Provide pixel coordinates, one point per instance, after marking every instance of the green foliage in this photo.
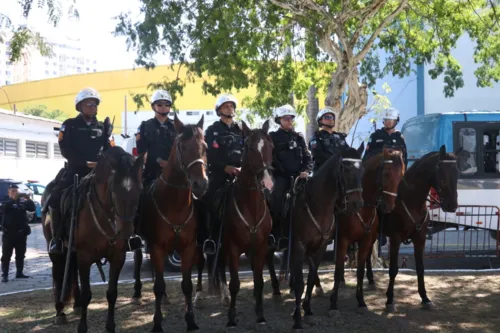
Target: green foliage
(41, 111)
(285, 46)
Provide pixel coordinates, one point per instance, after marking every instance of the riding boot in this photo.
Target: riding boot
(209, 246)
(20, 268)
(5, 272)
(56, 243)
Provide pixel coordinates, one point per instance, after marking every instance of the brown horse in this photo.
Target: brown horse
(338, 181)
(380, 181)
(169, 218)
(247, 220)
(107, 204)
(409, 219)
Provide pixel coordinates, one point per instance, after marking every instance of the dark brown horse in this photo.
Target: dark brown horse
(109, 197)
(380, 181)
(169, 218)
(247, 220)
(337, 182)
(409, 219)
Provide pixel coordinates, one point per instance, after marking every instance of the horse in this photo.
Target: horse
(380, 181)
(106, 206)
(410, 217)
(247, 220)
(169, 218)
(338, 181)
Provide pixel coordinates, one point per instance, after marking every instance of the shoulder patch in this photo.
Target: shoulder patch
(313, 143)
(370, 140)
(63, 128)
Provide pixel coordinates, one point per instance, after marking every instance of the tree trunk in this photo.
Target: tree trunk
(312, 112)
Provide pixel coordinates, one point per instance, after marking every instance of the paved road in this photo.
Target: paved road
(38, 266)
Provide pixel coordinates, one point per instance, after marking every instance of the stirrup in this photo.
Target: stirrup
(271, 240)
(135, 243)
(282, 243)
(209, 247)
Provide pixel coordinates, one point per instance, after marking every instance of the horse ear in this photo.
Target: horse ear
(178, 123)
(139, 163)
(246, 130)
(361, 148)
(200, 123)
(442, 152)
(265, 127)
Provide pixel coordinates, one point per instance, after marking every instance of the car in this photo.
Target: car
(23, 189)
(37, 190)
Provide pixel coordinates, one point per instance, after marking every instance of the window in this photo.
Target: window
(7, 82)
(46, 72)
(467, 140)
(8, 147)
(78, 69)
(491, 147)
(57, 151)
(37, 149)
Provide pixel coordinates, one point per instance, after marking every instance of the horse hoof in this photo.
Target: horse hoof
(231, 329)
(309, 320)
(136, 300)
(297, 330)
(334, 314)
(390, 308)
(319, 292)
(362, 310)
(61, 320)
(197, 300)
(427, 306)
(77, 311)
(195, 328)
(371, 286)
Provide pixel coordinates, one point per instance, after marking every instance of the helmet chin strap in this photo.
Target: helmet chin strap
(163, 114)
(226, 116)
(329, 126)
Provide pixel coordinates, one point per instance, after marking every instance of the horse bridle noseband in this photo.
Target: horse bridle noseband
(343, 192)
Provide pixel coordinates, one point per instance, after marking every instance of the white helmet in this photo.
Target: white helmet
(324, 111)
(161, 95)
(284, 110)
(85, 94)
(390, 114)
(224, 98)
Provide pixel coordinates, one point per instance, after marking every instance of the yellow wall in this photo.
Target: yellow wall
(59, 93)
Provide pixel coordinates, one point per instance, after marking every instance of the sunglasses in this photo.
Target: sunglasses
(287, 118)
(91, 105)
(329, 117)
(161, 105)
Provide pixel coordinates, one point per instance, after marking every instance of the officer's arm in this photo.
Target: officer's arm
(318, 153)
(276, 163)
(30, 205)
(370, 147)
(212, 152)
(307, 162)
(64, 138)
(403, 147)
(141, 141)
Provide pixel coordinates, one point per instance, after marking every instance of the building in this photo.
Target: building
(28, 147)
(68, 57)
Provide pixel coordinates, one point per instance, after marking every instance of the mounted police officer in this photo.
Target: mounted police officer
(15, 229)
(81, 139)
(387, 136)
(326, 141)
(291, 159)
(225, 146)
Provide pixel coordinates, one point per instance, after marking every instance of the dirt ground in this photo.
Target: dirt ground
(463, 303)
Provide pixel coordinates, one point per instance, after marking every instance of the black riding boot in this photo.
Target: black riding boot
(5, 272)
(209, 246)
(56, 243)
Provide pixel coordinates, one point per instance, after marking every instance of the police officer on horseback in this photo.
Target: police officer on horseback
(225, 146)
(326, 141)
(81, 139)
(291, 159)
(387, 136)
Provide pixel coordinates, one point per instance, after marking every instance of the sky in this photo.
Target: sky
(95, 29)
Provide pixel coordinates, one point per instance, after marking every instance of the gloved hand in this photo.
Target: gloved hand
(108, 127)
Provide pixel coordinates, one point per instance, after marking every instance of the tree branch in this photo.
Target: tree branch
(366, 13)
(329, 46)
(379, 29)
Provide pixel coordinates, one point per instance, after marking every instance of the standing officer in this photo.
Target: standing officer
(291, 159)
(325, 141)
(387, 136)
(225, 145)
(81, 139)
(15, 229)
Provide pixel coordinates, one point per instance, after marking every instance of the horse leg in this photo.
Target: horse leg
(84, 270)
(339, 273)
(221, 275)
(393, 272)
(115, 267)
(319, 289)
(234, 284)
(158, 262)
(137, 297)
(298, 282)
(369, 268)
(312, 278)
(188, 257)
(363, 251)
(57, 277)
(272, 271)
(418, 248)
(258, 282)
(77, 305)
(200, 265)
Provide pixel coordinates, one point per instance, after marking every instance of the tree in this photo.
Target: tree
(41, 111)
(286, 46)
(23, 36)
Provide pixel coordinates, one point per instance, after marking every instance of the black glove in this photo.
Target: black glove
(108, 127)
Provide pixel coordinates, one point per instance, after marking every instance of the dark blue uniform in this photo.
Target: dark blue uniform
(381, 138)
(157, 139)
(323, 145)
(15, 229)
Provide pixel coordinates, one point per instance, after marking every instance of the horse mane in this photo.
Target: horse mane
(425, 159)
(189, 131)
(393, 155)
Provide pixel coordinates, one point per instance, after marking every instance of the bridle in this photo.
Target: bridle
(343, 191)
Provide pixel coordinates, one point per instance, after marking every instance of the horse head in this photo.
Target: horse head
(445, 178)
(391, 172)
(258, 153)
(119, 175)
(351, 170)
(189, 155)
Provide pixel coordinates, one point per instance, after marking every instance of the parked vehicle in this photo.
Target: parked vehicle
(37, 190)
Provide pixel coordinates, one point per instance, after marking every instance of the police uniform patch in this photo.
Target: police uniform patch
(215, 144)
(137, 136)
(314, 143)
(60, 136)
(63, 127)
